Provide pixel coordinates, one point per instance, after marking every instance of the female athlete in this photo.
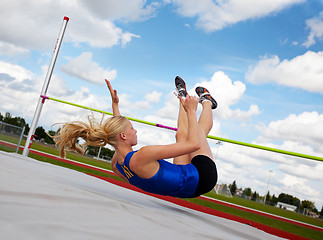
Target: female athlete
(193, 171)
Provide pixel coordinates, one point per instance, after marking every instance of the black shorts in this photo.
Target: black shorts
(208, 175)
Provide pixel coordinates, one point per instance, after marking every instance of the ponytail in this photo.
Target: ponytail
(93, 133)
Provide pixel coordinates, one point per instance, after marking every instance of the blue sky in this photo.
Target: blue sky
(262, 61)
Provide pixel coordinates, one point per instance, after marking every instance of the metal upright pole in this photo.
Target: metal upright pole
(44, 89)
(270, 172)
(20, 138)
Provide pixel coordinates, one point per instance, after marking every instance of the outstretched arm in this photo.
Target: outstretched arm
(114, 98)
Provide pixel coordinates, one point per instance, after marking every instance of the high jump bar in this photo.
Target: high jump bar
(209, 136)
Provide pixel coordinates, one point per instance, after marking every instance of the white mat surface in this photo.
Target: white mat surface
(43, 201)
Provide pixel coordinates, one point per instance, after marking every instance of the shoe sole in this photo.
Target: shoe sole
(180, 85)
(206, 94)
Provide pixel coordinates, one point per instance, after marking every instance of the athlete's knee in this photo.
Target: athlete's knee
(204, 131)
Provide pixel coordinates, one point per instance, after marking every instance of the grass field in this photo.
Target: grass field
(298, 230)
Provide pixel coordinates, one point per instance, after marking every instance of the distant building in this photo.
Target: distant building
(239, 193)
(308, 212)
(286, 206)
(218, 188)
(222, 189)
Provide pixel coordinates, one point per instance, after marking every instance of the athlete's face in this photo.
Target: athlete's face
(131, 134)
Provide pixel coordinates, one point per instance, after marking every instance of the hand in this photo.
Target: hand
(190, 103)
(113, 92)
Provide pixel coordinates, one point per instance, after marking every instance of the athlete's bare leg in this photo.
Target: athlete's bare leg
(181, 135)
(205, 124)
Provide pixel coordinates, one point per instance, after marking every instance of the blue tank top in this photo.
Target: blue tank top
(170, 180)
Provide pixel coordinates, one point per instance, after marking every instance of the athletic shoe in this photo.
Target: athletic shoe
(180, 87)
(204, 94)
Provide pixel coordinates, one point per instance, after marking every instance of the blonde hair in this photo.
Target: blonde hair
(93, 133)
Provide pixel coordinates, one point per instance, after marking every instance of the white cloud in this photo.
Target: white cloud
(228, 93)
(304, 71)
(299, 171)
(239, 156)
(60, 113)
(304, 128)
(315, 25)
(140, 105)
(126, 37)
(149, 135)
(83, 67)
(215, 15)
(170, 108)
(17, 87)
(16, 72)
(135, 10)
(297, 186)
(37, 26)
(250, 166)
(153, 97)
(245, 115)
(20, 91)
(11, 50)
(57, 87)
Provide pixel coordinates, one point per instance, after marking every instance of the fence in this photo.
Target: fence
(11, 133)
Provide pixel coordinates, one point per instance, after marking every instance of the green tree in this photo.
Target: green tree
(296, 202)
(247, 192)
(51, 133)
(233, 188)
(41, 134)
(105, 153)
(308, 205)
(17, 121)
(289, 199)
(268, 197)
(321, 213)
(92, 150)
(274, 200)
(27, 128)
(7, 118)
(254, 196)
